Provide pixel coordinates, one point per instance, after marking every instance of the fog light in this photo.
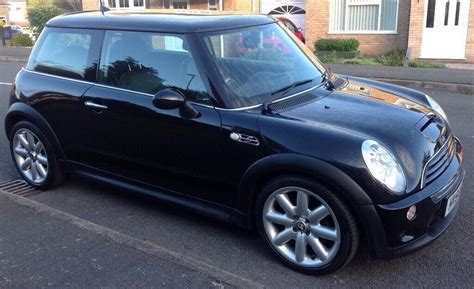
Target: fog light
(411, 213)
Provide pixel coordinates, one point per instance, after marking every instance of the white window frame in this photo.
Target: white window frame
(368, 3)
(131, 5)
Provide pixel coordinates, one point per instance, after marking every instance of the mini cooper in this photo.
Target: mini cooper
(233, 117)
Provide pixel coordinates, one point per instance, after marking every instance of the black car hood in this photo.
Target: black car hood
(406, 126)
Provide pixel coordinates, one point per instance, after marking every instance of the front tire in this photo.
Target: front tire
(33, 156)
(307, 226)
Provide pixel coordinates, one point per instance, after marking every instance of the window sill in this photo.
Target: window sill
(365, 32)
(128, 8)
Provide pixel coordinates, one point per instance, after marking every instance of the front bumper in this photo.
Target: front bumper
(389, 231)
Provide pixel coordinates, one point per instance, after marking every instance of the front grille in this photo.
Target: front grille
(450, 187)
(439, 162)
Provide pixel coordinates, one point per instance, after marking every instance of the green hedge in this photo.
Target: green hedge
(343, 44)
(392, 58)
(39, 15)
(21, 40)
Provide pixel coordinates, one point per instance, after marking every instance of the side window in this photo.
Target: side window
(149, 62)
(72, 53)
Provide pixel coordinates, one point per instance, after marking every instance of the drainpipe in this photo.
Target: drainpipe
(221, 5)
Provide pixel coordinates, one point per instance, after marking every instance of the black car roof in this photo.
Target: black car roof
(172, 23)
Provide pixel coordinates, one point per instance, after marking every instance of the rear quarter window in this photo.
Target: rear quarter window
(71, 53)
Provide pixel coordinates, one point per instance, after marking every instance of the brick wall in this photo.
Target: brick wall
(4, 9)
(198, 4)
(242, 6)
(317, 26)
(417, 20)
(470, 35)
(90, 5)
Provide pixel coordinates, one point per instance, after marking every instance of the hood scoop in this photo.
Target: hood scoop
(431, 126)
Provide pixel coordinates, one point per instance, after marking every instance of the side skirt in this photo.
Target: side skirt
(199, 206)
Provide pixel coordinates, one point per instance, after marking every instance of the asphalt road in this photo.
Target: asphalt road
(449, 262)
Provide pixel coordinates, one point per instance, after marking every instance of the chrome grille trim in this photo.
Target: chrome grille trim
(441, 158)
(450, 187)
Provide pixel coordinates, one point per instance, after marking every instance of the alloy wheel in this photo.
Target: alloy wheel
(30, 156)
(301, 227)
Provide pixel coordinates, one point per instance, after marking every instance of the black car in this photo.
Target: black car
(229, 116)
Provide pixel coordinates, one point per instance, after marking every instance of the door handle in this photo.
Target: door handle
(95, 105)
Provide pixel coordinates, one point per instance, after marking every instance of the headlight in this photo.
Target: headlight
(383, 166)
(436, 107)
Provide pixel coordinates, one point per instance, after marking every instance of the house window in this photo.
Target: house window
(430, 14)
(173, 4)
(125, 4)
(212, 4)
(363, 16)
(180, 5)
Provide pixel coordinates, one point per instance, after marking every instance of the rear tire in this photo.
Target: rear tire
(33, 156)
(306, 225)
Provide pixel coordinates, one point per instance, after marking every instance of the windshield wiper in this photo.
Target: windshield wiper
(327, 78)
(266, 104)
(293, 85)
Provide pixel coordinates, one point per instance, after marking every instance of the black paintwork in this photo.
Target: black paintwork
(192, 161)
(171, 23)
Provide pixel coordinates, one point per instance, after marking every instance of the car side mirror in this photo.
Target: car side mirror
(299, 29)
(169, 99)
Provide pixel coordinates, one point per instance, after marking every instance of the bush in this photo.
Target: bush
(348, 44)
(21, 40)
(325, 45)
(343, 44)
(264, 55)
(393, 58)
(39, 15)
(425, 64)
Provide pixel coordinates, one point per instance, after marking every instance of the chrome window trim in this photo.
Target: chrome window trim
(87, 82)
(151, 95)
(423, 173)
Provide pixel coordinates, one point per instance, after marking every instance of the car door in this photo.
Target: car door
(62, 67)
(133, 138)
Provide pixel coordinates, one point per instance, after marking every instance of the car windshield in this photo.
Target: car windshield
(262, 63)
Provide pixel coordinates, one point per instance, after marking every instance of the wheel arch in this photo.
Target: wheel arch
(298, 165)
(22, 112)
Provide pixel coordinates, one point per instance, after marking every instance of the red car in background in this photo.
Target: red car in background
(292, 27)
(272, 41)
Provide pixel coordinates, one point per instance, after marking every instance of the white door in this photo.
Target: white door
(291, 9)
(445, 29)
